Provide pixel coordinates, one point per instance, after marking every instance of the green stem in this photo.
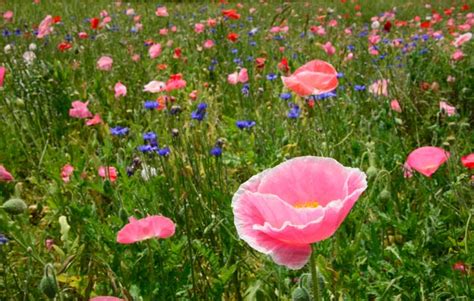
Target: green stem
(315, 277)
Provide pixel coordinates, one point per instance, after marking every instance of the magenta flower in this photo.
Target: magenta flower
(5, 175)
(80, 110)
(426, 160)
(283, 210)
(149, 227)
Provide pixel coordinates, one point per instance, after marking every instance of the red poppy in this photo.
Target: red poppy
(63, 46)
(95, 23)
(232, 37)
(56, 19)
(231, 14)
(387, 26)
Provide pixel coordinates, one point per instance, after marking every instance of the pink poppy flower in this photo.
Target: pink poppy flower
(199, 28)
(426, 160)
(154, 226)
(5, 175)
(449, 110)
(154, 51)
(109, 173)
(175, 82)
(45, 27)
(105, 63)
(66, 172)
(106, 298)
(462, 39)
(2, 75)
(395, 105)
(120, 90)
(314, 77)
(161, 11)
(154, 87)
(458, 55)
(283, 210)
(94, 120)
(236, 77)
(208, 44)
(329, 49)
(8, 15)
(468, 161)
(80, 110)
(380, 87)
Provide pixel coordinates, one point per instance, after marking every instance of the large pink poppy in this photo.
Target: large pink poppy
(426, 160)
(283, 210)
(314, 77)
(149, 227)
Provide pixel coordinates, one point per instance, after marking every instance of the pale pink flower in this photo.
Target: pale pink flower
(105, 63)
(154, 51)
(238, 77)
(462, 39)
(445, 107)
(199, 28)
(458, 55)
(161, 11)
(208, 44)
(109, 173)
(8, 15)
(313, 78)
(154, 226)
(426, 160)
(380, 87)
(120, 90)
(45, 27)
(5, 175)
(283, 210)
(94, 120)
(154, 87)
(329, 48)
(395, 105)
(79, 110)
(66, 172)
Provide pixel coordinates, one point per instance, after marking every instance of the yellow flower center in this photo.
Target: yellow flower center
(310, 204)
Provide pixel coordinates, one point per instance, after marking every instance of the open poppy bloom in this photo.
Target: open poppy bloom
(283, 210)
(313, 78)
(426, 160)
(155, 226)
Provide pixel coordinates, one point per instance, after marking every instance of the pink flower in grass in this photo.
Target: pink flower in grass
(5, 175)
(109, 173)
(283, 210)
(449, 110)
(105, 63)
(45, 27)
(120, 90)
(314, 77)
(80, 110)
(66, 172)
(238, 77)
(426, 160)
(149, 227)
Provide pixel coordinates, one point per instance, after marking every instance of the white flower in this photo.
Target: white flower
(29, 57)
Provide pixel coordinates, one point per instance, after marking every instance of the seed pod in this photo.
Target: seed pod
(14, 206)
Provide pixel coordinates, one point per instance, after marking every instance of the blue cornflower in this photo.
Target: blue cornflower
(245, 124)
(294, 111)
(216, 151)
(165, 151)
(285, 96)
(359, 87)
(3, 239)
(119, 131)
(151, 104)
(200, 112)
(272, 76)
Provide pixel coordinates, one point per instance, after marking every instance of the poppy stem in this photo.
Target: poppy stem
(315, 277)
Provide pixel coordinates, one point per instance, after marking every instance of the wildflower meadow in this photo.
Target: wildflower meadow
(223, 150)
